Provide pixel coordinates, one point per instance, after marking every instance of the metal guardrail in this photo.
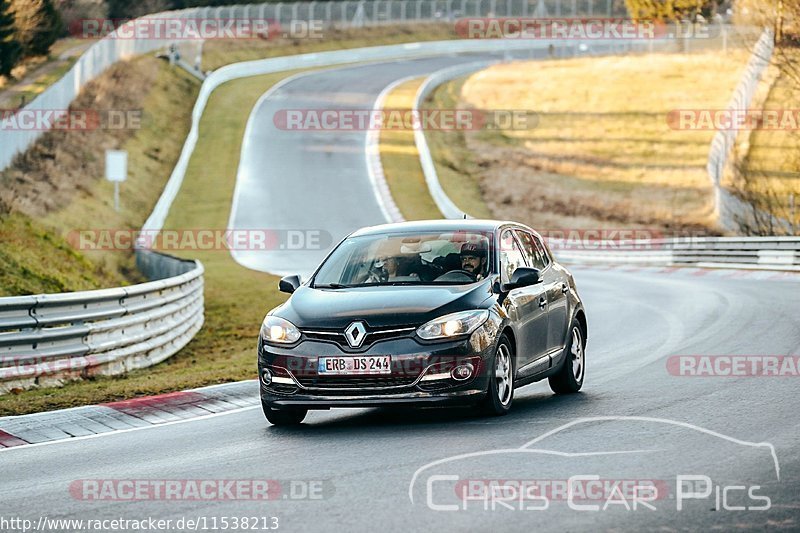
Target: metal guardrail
(48, 339)
(763, 253)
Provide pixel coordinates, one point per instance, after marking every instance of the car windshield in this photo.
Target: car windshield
(407, 259)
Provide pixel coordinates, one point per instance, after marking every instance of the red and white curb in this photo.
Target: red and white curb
(127, 414)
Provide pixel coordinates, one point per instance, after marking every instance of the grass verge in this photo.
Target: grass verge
(457, 166)
(601, 154)
(770, 171)
(57, 187)
(400, 160)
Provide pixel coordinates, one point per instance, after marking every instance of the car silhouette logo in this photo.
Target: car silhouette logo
(355, 334)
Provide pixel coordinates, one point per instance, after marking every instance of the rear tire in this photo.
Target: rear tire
(284, 417)
(569, 378)
(500, 391)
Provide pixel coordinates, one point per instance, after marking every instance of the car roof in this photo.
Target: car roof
(443, 225)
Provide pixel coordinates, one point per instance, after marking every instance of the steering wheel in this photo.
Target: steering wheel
(456, 275)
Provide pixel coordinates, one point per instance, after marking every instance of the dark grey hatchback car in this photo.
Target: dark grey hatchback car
(445, 312)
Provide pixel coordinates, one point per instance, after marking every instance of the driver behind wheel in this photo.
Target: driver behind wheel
(473, 259)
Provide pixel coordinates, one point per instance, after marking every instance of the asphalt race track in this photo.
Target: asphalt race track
(316, 181)
(394, 470)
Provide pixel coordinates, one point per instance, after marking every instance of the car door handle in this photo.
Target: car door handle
(542, 302)
(564, 288)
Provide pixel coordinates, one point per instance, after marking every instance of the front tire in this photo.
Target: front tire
(284, 417)
(569, 378)
(500, 391)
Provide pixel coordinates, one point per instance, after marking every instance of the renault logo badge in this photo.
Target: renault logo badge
(355, 334)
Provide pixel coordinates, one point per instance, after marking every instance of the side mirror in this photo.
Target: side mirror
(522, 277)
(289, 284)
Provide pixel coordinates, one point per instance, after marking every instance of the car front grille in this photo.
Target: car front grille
(355, 382)
(336, 336)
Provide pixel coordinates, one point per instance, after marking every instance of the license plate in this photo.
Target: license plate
(368, 364)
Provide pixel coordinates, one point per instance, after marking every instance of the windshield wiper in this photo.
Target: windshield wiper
(332, 286)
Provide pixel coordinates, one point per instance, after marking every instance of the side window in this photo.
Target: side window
(533, 250)
(511, 257)
(542, 251)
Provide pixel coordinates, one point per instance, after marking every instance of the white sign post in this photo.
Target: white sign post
(116, 171)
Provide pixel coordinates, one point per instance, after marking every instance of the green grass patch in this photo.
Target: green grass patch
(400, 160)
(457, 166)
(35, 254)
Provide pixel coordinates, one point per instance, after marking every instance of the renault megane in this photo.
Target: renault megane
(426, 313)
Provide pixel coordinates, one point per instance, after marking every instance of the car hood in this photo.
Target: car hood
(380, 306)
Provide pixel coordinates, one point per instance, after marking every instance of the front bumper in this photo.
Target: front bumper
(420, 374)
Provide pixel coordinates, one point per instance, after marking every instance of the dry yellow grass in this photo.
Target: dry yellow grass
(771, 167)
(602, 138)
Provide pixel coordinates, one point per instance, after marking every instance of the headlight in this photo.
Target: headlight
(453, 325)
(279, 330)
